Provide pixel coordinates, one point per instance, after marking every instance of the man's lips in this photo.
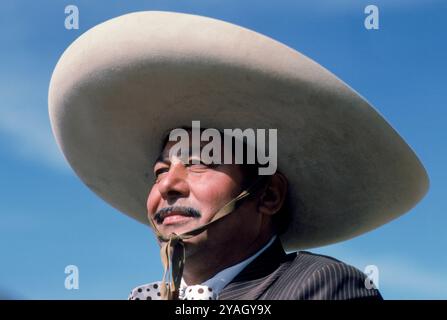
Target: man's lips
(175, 214)
(176, 217)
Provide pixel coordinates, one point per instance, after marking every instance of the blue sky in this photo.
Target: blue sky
(49, 219)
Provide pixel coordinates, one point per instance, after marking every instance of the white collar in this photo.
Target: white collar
(224, 277)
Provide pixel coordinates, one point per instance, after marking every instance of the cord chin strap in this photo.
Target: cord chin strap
(172, 250)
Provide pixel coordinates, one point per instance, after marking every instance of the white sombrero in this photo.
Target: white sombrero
(118, 88)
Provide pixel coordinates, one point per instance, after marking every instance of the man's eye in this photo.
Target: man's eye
(199, 165)
(160, 171)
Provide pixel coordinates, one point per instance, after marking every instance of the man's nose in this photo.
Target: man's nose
(173, 185)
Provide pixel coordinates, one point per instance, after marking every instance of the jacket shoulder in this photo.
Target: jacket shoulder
(311, 276)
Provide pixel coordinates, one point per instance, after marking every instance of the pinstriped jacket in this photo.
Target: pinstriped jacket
(275, 275)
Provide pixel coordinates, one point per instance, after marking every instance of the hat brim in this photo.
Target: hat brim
(118, 88)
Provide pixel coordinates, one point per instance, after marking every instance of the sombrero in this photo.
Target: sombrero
(118, 88)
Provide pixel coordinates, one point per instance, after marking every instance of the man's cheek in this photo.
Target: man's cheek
(152, 201)
(214, 191)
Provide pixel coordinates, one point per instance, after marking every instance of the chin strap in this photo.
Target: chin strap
(172, 250)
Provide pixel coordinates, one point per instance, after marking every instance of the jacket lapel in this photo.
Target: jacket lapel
(257, 276)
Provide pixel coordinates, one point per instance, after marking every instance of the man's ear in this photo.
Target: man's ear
(273, 195)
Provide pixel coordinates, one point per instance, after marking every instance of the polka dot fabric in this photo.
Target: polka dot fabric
(199, 292)
(151, 291)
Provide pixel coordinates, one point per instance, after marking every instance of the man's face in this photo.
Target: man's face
(186, 196)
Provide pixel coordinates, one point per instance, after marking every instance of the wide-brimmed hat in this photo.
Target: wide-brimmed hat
(118, 88)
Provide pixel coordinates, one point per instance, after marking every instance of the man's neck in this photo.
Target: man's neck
(201, 267)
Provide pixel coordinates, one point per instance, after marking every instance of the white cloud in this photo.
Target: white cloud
(417, 281)
(399, 277)
(28, 134)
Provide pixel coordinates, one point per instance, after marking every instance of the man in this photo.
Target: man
(342, 169)
(186, 196)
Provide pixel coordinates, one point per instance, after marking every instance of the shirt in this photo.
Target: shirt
(224, 277)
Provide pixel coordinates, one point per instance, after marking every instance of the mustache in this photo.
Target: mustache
(161, 214)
